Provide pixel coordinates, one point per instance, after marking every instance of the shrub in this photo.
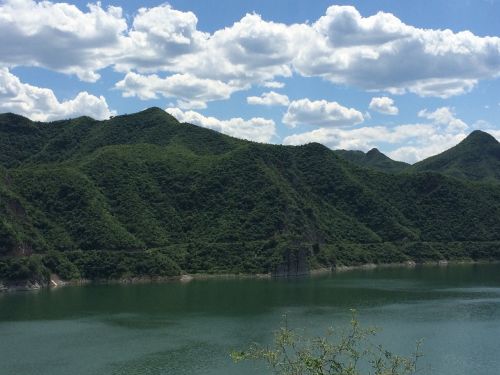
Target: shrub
(347, 353)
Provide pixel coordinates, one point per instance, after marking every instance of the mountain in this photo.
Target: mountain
(373, 159)
(476, 158)
(143, 194)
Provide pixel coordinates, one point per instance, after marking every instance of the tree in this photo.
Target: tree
(348, 352)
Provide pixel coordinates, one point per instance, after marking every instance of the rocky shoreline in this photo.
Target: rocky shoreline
(56, 282)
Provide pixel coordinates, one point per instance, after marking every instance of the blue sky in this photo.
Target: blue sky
(411, 78)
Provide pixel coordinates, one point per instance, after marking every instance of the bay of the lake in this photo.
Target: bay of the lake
(190, 328)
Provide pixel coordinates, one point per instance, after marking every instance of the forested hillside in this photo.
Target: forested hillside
(476, 158)
(143, 194)
(373, 159)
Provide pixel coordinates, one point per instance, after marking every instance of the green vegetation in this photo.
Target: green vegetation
(336, 353)
(144, 194)
(373, 159)
(24, 269)
(476, 158)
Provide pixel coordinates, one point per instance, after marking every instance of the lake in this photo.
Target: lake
(191, 328)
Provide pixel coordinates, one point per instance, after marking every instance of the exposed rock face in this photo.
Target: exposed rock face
(295, 263)
(21, 286)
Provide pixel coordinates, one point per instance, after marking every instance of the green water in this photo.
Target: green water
(190, 328)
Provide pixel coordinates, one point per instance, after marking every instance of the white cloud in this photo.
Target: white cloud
(273, 84)
(346, 48)
(363, 138)
(345, 27)
(251, 51)
(384, 105)
(269, 99)
(439, 87)
(435, 144)
(444, 116)
(321, 113)
(481, 124)
(421, 140)
(255, 129)
(60, 37)
(41, 104)
(159, 37)
(409, 142)
(190, 91)
(377, 52)
(381, 53)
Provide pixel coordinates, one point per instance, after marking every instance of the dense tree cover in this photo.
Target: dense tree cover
(476, 158)
(373, 159)
(144, 194)
(24, 269)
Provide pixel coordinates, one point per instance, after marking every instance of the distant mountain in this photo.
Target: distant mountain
(143, 193)
(373, 159)
(476, 158)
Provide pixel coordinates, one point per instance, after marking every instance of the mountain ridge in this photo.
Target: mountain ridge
(146, 189)
(475, 158)
(373, 159)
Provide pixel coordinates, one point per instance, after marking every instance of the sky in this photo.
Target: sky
(411, 78)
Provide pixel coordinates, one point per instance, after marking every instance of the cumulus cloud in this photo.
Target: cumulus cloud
(345, 27)
(384, 105)
(368, 52)
(363, 138)
(321, 113)
(273, 84)
(444, 131)
(190, 91)
(342, 46)
(345, 48)
(436, 144)
(419, 140)
(255, 129)
(252, 51)
(41, 104)
(159, 37)
(269, 99)
(444, 116)
(422, 140)
(60, 37)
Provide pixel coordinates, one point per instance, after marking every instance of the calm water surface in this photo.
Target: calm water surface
(190, 328)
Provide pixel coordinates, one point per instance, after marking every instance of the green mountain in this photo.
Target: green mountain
(476, 158)
(373, 159)
(143, 194)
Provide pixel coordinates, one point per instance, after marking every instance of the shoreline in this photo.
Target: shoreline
(55, 282)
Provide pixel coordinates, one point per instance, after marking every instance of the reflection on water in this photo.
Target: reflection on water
(190, 328)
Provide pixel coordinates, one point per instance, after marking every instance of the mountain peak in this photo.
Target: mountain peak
(15, 122)
(373, 152)
(479, 137)
(153, 110)
(9, 116)
(477, 158)
(373, 159)
(152, 113)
